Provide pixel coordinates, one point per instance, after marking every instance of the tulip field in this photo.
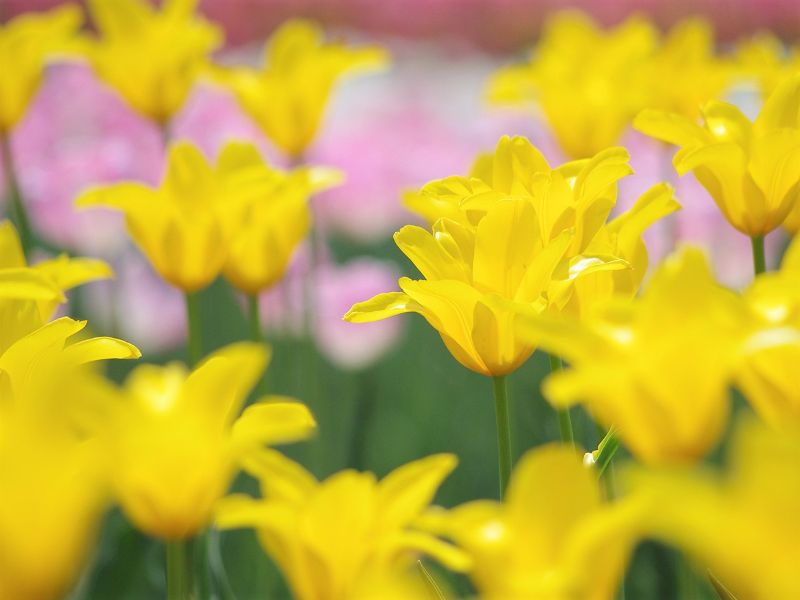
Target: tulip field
(349, 302)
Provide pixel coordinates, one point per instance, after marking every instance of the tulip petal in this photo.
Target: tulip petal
(101, 348)
(273, 420)
(380, 307)
(670, 128)
(281, 478)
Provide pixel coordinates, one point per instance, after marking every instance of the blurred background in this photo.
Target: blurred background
(388, 392)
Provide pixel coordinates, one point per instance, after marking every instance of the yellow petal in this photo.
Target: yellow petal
(380, 307)
(273, 420)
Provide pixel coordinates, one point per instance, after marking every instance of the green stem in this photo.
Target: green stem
(254, 318)
(759, 262)
(16, 204)
(195, 342)
(564, 420)
(179, 575)
(606, 450)
(503, 431)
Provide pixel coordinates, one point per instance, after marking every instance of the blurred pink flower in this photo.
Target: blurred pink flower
(353, 346)
(76, 134)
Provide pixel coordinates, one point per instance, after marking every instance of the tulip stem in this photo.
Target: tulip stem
(16, 204)
(759, 262)
(194, 342)
(179, 576)
(503, 431)
(254, 318)
(564, 419)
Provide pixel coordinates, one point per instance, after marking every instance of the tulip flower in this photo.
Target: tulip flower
(174, 437)
(273, 224)
(553, 538)
(53, 478)
(750, 169)
(766, 59)
(27, 43)
(589, 83)
(151, 58)
(288, 95)
(186, 225)
(766, 376)
(740, 524)
(23, 310)
(685, 72)
(516, 233)
(656, 368)
(346, 529)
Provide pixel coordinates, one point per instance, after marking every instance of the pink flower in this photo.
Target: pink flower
(353, 346)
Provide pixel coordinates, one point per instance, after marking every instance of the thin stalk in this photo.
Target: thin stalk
(759, 262)
(503, 431)
(194, 343)
(254, 318)
(16, 203)
(564, 420)
(179, 574)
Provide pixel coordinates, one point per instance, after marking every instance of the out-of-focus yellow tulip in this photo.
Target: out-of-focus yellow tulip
(656, 368)
(288, 95)
(767, 376)
(766, 59)
(27, 42)
(272, 225)
(750, 169)
(588, 82)
(23, 311)
(742, 524)
(173, 438)
(686, 73)
(346, 530)
(514, 233)
(151, 58)
(185, 227)
(553, 538)
(52, 477)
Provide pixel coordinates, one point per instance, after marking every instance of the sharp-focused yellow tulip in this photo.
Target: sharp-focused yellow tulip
(685, 73)
(656, 368)
(741, 525)
(173, 438)
(185, 227)
(330, 538)
(515, 233)
(750, 169)
(272, 226)
(589, 83)
(553, 538)
(27, 43)
(151, 58)
(288, 95)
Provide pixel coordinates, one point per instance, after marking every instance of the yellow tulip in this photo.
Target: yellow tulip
(173, 438)
(750, 169)
(346, 530)
(768, 371)
(589, 83)
(52, 477)
(656, 368)
(553, 538)
(514, 233)
(742, 524)
(272, 226)
(766, 59)
(685, 72)
(186, 225)
(151, 58)
(288, 95)
(27, 43)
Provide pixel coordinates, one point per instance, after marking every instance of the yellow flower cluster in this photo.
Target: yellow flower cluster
(515, 256)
